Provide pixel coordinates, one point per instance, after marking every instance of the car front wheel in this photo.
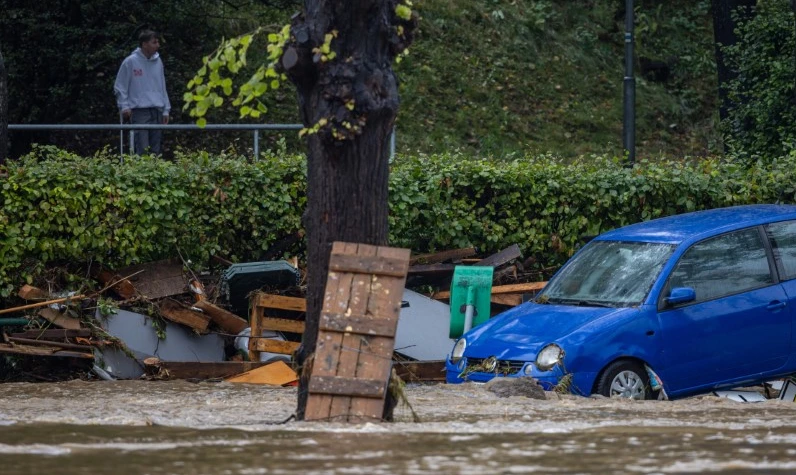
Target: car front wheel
(626, 379)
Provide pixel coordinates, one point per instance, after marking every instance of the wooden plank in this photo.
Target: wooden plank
(226, 320)
(55, 344)
(280, 301)
(29, 292)
(42, 351)
(502, 257)
(359, 324)
(275, 346)
(375, 361)
(327, 349)
(432, 269)
(123, 288)
(197, 370)
(255, 317)
(339, 386)
(499, 289)
(366, 265)
(59, 319)
(357, 299)
(417, 371)
(277, 373)
(157, 279)
(53, 333)
(181, 314)
(507, 299)
(442, 256)
(280, 325)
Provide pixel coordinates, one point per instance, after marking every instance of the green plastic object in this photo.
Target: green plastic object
(471, 287)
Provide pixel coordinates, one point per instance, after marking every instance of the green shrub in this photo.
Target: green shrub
(762, 120)
(56, 207)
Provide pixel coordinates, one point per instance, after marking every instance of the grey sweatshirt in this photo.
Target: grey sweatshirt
(140, 83)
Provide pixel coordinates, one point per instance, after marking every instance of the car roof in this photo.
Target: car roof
(699, 224)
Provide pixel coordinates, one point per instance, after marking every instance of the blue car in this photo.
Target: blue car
(671, 307)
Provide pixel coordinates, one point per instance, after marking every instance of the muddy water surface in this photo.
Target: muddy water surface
(136, 427)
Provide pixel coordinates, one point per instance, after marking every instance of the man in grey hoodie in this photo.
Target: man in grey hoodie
(140, 90)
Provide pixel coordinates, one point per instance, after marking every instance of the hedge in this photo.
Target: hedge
(57, 207)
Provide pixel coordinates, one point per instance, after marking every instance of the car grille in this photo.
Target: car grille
(504, 367)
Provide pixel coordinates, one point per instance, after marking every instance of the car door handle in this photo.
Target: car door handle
(776, 305)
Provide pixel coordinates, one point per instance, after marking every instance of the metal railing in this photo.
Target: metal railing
(255, 128)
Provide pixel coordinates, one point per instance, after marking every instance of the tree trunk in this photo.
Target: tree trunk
(3, 111)
(724, 23)
(352, 101)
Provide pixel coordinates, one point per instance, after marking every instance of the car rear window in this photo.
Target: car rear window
(783, 241)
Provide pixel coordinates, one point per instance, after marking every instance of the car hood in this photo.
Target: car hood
(521, 332)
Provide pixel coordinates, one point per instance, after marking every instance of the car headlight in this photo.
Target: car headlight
(458, 350)
(550, 356)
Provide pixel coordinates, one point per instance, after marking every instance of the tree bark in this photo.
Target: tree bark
(3, 111)
(352, 101)
(724, 23)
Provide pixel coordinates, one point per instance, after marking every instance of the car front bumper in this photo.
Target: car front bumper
(579, 383)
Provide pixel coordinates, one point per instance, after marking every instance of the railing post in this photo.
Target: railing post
(256, 144)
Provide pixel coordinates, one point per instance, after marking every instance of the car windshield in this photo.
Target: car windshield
(608, 273)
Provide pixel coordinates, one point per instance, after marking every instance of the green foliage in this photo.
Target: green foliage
(762, 120)
(57, 207)
(214, 80)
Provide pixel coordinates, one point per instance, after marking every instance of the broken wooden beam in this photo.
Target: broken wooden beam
(432, 269)
(57, 344)
(123, 287)
(42, 351)
(59, 319)
(442, 256)
(498, 259)
(499, 289)
(178, 313)
(197, 370)
(226, 320)
(53, 333)
(29, 292)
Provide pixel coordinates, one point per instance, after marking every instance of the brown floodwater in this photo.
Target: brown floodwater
(138, 427)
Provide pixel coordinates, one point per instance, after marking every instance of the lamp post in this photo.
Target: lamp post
(629, 123)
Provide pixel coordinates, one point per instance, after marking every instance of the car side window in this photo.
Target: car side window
(783, 243)
(724, 265)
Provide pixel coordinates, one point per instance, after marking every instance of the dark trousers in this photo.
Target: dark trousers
(147, 141)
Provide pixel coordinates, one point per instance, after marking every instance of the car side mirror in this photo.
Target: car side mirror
(680, 295)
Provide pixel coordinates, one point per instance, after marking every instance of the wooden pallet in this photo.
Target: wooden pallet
(260, 320)
(356, 333)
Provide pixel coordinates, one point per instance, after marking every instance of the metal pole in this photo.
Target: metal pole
(121, 138)
(629, 131)
(392, 145)
(256, 144)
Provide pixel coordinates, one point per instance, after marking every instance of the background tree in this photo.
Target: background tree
(761, 117)
(339, 55)
(727, 14)
(353, 100)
